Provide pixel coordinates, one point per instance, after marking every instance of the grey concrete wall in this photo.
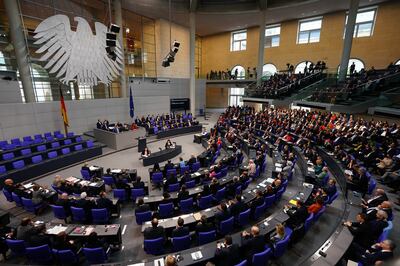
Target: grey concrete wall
(10, 92)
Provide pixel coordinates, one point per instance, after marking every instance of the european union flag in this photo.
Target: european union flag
(131, 107)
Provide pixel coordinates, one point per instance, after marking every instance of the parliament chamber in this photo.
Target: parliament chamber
(201, 132)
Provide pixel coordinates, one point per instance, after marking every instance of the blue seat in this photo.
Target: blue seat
(59, 136)
(331, 199)
(195, 166)
(41, 148)
(181, 243)
(269, 200)
(108, 180)
(166, 209)
(37, 141)
(67, 141)
(171, 172)
(279, 194)
(78, 139)
(37, 159)
(65, 257)
(157, 178)
(184, 169)
(100, 216)
(154, 246)
(120, 194)
(16, 141)
(47, 134)
(281, 245)
(137, 193)
(261, 259)
(243, 263)
(214, 159)
(308, 222)
(29, 206)
(226, 226)
(8, 156)
(38, 136)
(26, 152)
(49, 138)
(2, 169)
(142, 217)
(89, 144)
(65, 151)
(186, 206)
(16, 199)
(95, 255)
(40, 254)
(243, 218)
(8, 195)
(17, 247)
(52, 154)
(78, 147)
(385, 232)
(57, 132)
(205, 202)
(220, 195)
(173, 187)
(259, 211)
(18, 164)
(78, 214)
(206, 237)
(55, 144)
(70, 134)
(86, 174)
(59, 212)
(3, 144)
(190, 184)
(371, 185)
(319, 213)
(238, 190)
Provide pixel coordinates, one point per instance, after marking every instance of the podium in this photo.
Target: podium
(141, 144)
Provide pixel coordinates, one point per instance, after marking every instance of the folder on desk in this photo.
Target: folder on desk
(293, 202)
(197, 216)
(197, 255)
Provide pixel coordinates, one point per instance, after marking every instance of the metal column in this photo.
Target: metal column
(192, 86)
(118, 21)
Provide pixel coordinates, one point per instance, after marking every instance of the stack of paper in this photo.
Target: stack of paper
(197, 255)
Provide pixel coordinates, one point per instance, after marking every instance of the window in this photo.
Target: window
(235, 96)
(85, 92)
(300, 67)
(364, 23)
(2, 62)
(238, 41)
(272, 36)
(269, 70)
(358, 65)
(41, 84)
(309, 30)
(131, 58)
(241, 73)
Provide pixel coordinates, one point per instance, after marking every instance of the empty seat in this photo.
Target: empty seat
(89, 144)
(47, 134)
(65, 151)
(37, 159)
(18, 164)
(26, 152)
(41, 148)
(67, 142)
(55, 144)
(37, 136)
(16, 141)
(78, 147)
(8, 156)
(52, 154)
(27, 139)
(2, 169)
(70, 134)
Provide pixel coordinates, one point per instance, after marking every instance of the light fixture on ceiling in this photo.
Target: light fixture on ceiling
(170, 57)
(127, 30)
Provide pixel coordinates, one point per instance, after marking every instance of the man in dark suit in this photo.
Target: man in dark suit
(237, 206)
(223, 213)
(231, 189)
(138, 183)
(104, 202)
(141, 206)
(192, 160)
(377, 225)
(154, 231)
(298, 215)
(203, 225)
(39, 237)
(330, 189)
(168, 165)
(64, 202)
(228, 253)
(252, 242)
(170, 180)
(385, 206)
(180, 230)
(214, 186)
(379, 252)
(359, 230)
(379, 197)
(85, 204)
(258, 201)
(183, 193)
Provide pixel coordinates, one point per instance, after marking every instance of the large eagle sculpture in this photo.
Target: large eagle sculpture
(77, 55)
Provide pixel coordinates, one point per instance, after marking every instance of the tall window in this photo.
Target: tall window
(241, 72)
(365, 21)
(239, 40)
(41, 84)
(300, 66)
(309, 30)
(272, 36)
(357, 63)
(2, 62)
(85, 92)
(235, 96)
(269, 70)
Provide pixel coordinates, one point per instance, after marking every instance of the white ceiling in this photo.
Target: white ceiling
(229, 15)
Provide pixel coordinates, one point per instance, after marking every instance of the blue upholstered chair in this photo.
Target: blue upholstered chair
(261, 259)
(40, 254)
(206, 237)
(16, 199)
(78, 215)
(259, 211)
(78, 147)
(142, 217)
(181, 243)
(173, 187)
(308, 222)
(184, 169)
(65, 151)
(157, 178)
(55, 144)
(17, 247)
(120, 194)
(166, 210)
(137, 193)
(100, 216)
(8, 195)
(205, 202)
(154, 246)
(190, 184)
(8, 156)
(26, 151)
(243, 218)
(220, 195)
(280, 246)
(18, 164)
(89, 144)
(226, 226)
(37, 159)
(65, 257)
(41, 148)
(95, 255)
(59, 212)
(2, 169)
(30, 207)
(269, 200)
(186, 205)
(195, 167)
(52, 154)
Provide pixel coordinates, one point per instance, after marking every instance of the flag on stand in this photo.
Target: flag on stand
(131, 107)
(63, 109)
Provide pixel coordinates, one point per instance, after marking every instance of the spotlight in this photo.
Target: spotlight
(127, 30)
(110, 50)
(176, 44)
(165, 63)
(111, 43)
(111, 36)
(175, 49)
(114, 28)
(170, 58)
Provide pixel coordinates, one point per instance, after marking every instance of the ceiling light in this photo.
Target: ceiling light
(127, 30)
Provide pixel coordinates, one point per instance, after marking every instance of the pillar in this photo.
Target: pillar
(192, 17)
(20, 48)
(261, 43)
(348, 39)
(118, 21)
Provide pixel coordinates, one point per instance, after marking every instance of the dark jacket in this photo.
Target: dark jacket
(228, 256)
(154, 232)
(180, 231)
(201, 228)
(237, 207)
(252, 245)
(104, 203)
(142, 208)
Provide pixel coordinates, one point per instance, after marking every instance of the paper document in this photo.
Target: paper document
(197, 255)
(56, 230)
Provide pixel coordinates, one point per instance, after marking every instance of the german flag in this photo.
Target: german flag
(63, 109)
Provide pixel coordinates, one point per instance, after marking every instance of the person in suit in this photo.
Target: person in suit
(166, 198)
(298, 215)
(85, 204)
(183, 193)
(38, 236)
(64, 202)
(192, 160)
(258, 201)
(223, 213)
(231, 189)
(154, 231)
(330, 189)
(186, 177)
(168, 165)
(61, 242)
(252, 242)
(9, 185)
(99, 124)
(138, 183)
(214, 186)
(204, 225)
(237, 206)
(385, 206)
(170, 180)
(94, 241)
(180, 229)
(377, 225)
(360, 230)
(24, 230)
(379, 197)
(104, 202)
(378, 253)
(141, 206)
(227, 253)
(156, 167)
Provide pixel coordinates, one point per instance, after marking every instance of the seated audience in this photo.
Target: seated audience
(155, 231)
(227, 253)
(180, 230)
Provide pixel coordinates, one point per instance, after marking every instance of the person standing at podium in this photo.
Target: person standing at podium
(146, 152)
